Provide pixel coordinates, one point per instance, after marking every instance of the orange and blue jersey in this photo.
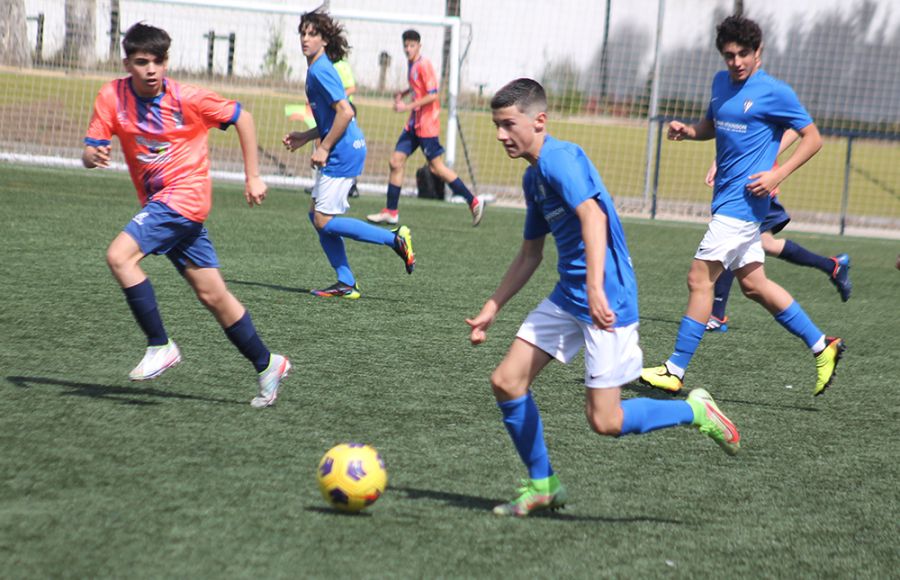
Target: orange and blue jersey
(424, 122)
(164, 140)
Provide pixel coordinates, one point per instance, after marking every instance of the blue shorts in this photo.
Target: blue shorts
(158, 229)
(409, 142)
(776, 219)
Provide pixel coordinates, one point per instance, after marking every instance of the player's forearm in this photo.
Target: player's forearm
(593, 232)
(426, 100)
(519, 272)
(342, 118)
(246, 130)
(810, 144)
(702, 131)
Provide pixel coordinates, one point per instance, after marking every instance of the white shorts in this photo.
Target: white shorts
(731, 241)
(330, 194)
(611, 358)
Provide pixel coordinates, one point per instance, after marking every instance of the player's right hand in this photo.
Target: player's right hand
(293, 141)
(711, 174)
(100, 156)
(678, 131)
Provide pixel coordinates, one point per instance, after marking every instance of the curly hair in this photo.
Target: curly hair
(330, 30)
(741, 31)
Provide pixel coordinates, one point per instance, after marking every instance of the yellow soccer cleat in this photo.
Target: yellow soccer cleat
(826, 363)
(660, 378)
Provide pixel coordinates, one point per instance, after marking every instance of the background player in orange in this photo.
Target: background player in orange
(421, 130)
(162, 128)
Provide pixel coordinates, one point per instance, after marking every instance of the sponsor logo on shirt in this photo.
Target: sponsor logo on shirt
(157, 151)
(731, 127)
(556, 214)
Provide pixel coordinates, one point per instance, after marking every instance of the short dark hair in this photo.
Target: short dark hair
(331, 30)
(741, 31)
(145, 38)
(412, 35)
(526, 94)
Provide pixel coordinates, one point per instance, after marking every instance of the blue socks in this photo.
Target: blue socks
(459, 188)
(645, 415)
(142, 301)
(796, 321)
(723, 289)
(243, 335)
(393, 196)
(690, 333)
(523, 422)
(797, 254)
(358, 230)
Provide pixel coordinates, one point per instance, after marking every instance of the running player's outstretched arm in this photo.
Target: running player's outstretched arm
(594, 228)
(765, 182)
(517, 275)
(702, 131)
(254, 187)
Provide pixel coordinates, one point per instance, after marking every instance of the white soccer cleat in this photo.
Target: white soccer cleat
(269, 381)
(156, 361)
(477, 209)
(384, 217)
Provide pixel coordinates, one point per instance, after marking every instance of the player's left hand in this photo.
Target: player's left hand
(763, 183)
(319, 157)
(480, 324)
(255, 190)
(601, 313)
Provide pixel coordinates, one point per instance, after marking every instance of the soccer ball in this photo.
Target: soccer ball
(351, 476)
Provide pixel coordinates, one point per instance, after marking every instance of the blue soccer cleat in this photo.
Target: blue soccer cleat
(840, 277)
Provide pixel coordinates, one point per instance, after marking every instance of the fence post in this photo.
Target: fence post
(210, 51)
(845, 196)
(39, 41)
(653, 203)
(114, 34)
(231, 38)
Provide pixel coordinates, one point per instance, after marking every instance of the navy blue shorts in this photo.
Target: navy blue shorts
(158, 229)
(409, 142)
(776, 219)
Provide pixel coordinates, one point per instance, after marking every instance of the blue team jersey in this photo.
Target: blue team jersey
(750, 118)
(323, 90)
(562, 179)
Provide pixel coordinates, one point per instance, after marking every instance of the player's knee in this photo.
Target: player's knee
(396, 163)
(751, 291)
(117, 261)
(506, 387)
(697, 282)
(605, 424)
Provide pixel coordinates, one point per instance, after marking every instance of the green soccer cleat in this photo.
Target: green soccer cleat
(710, 420)
(826, 363)
(404, 249)
(535, 495)
(660, 378)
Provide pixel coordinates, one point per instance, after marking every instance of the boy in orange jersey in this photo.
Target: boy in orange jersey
(162, 128)
(421, 130)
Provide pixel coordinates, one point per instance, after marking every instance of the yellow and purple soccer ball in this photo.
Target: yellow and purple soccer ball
(351, 476)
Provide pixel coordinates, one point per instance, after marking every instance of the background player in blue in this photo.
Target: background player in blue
(747, 115)
(837, 267)
(594, 304)
(340, 156)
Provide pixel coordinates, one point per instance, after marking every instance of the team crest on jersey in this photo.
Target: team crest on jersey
(747, 104)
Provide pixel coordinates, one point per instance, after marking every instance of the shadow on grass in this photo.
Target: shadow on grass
(485, 505)
(304, 291)
(124, 395)
(651, 393)
(337, 513)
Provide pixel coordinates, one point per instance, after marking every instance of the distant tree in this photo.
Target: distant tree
(275, 64)
(79, 43)
(14, 49)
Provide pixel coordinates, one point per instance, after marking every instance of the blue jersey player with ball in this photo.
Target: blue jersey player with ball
(593, 306)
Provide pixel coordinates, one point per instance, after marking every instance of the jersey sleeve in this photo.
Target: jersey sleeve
(332, 85)
(101, 127)
(787, 110)
(568, 176)
(428, 77)
(535, 224)
(214, 109)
